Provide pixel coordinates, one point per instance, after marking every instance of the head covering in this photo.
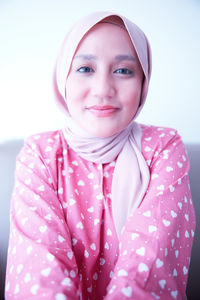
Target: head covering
(131, 175)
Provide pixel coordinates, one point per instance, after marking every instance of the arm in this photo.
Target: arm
(41, 264)
(155, 245)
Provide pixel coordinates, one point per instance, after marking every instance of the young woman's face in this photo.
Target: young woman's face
(103, 87)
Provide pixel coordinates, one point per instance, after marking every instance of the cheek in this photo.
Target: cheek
(131, 99)
(131, 90)
(70, 89)
(75, 90)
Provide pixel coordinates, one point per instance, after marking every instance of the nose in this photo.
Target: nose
(103, 86)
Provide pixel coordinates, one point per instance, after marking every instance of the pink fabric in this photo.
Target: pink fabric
(63, 242)
(123, 144)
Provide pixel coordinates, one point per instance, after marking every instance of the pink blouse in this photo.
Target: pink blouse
(63, 243)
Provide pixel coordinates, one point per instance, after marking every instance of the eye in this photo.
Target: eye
(124, 71)
(85, 70)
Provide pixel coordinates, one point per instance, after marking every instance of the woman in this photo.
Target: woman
(101, 209)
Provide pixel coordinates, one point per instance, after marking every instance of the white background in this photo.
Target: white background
(31, 32)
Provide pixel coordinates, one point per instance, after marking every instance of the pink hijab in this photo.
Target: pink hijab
(131, 174)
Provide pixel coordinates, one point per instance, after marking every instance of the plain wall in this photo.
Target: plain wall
(31, 33)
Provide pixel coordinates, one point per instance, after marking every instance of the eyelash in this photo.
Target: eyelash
(121, 71)
(86, 69)
(124, 71)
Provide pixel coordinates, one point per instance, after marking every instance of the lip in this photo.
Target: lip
(102, 110)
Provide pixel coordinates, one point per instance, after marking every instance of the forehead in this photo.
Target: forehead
(106, 37)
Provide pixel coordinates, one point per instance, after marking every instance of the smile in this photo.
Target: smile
(102, 110)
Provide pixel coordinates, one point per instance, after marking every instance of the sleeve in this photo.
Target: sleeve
(156, 242)
(41, 263)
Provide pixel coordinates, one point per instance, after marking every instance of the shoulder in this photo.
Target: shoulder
(162, 142)
(42, 155)
(46, 143)
(157, 134)
(158, 138)
(44, 149)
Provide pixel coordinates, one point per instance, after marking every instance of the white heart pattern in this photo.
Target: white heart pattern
(95, 276)
(109, 232)
(72, 201)
(173, 214)
(46, 272)
(169, 169)
(134, 235)
(43, 228)
(86, 254)
(34, 289)
(141, 251)
(91, 176)
(185, 270)
(91, 209)
(187, 217)
(179, 164)
(66, 281)
(106, 246)
(166, 222)
(180, 205)
(174, 294)
(93, 246)
(143, 268)
(122, 273)
(50, 257)
(147, 213)
(79, 225)
(61, 238)
(127, 291)
(175, 274)
(96, 221)
(27, 278)
(102, 261)
(187, 234)
(152, 228)
(41, 188)
(162, 283)
(176, 253)
(159, 263)
(70, 255)
(81, 183)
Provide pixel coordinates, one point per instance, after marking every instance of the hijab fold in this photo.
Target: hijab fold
(131, 174)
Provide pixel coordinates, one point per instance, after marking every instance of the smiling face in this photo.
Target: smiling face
(104, 84)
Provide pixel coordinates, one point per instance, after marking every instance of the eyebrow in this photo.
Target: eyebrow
(117, 57)
(86, 56)
(125, 57)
